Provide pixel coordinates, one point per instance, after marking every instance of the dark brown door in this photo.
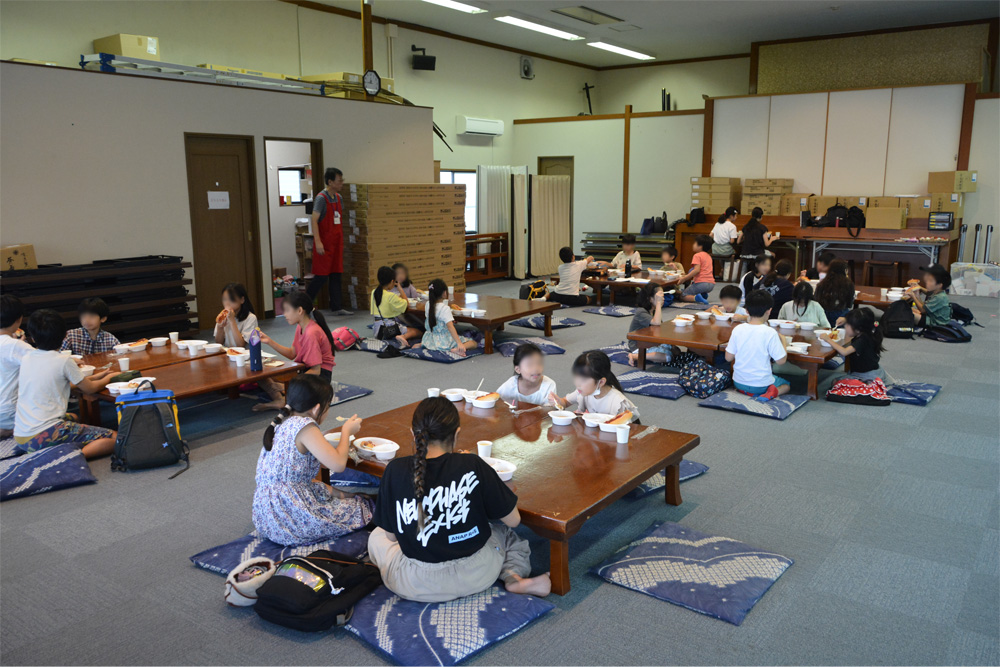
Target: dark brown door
(224, 224)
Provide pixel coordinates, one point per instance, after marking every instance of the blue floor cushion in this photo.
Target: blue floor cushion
(441, 633)
(508, 346)
(440, 356)
(48, 469)
(912, 393)
(348, 392)
(712, 575)
(8, 448)
(617, 353)
(657, 385)
(538, 322)
(776, 408)
(689, 470)
(223, 558)
(833, 364)
(355, 479)
(689, 305)
(611, 311)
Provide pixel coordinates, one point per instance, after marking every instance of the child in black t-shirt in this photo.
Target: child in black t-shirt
(435, 538)
(864, 349)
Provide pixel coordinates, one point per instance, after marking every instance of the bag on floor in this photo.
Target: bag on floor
(316, 592)
(535, 290)
(898, 321)
(963, 315)
(953, 332)
(149, 434)
(858, 392)
(701, 380)
(346, 338)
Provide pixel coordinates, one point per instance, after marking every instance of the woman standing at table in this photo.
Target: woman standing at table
(328, 240)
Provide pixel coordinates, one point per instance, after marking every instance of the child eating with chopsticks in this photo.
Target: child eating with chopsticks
(597, 388)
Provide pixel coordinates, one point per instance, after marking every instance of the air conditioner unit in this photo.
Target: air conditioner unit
(484, 127)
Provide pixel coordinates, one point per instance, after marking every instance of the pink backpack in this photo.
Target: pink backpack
(346, 338)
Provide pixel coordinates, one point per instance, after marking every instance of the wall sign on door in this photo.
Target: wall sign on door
(218, 200)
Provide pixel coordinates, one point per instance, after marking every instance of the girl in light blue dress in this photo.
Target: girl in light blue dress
(441, 333)
(289, 506)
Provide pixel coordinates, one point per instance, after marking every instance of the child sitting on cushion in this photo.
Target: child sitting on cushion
(597, 388)
(803, 308)
(751, 349)
(12, 350)
(649, 314)
(441, 333)
(90, 338)
(628, 253)
(529, 383)
(701, 274)
(930, 302)
(862, 348)
(729, 302)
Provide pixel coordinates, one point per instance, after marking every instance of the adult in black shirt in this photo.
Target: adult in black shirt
(754, 236)
(435, 538)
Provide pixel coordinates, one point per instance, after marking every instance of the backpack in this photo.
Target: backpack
(149, 434)
(835, 217)
(534, 290)
(898, 321)
(660, 224)
(701, 380)
(647, 226)
(697, 216)
(316, 592)
(858, 392)
(953, 332)
(963, 315)
(346, 338)
(855, 221)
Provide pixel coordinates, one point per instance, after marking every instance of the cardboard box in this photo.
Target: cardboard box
(130, 46)
(18, 257)
(916, 207)
(795, 203)
(885, 218)
(349, 77)
(714, 196)
(949, 202)
(860, 202)
(768, 208)
(818, 204)
(714, 187)
(347, 95)
(767, 189)
(769, 182)
(952, 181)
(222, 68)
(266, 75)
(883, 202)
(388, 84)
(714, 180)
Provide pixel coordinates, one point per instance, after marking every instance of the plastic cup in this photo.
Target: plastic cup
(622, 432)
(485, 448)
(433, 392)
(123, 363)
(451, 291)
(241, 361)
(174, 335)
(884, 292)
(66, 353)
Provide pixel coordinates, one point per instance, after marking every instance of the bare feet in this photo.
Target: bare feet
(539, 586)
(632, 358)
(403, 343)
(270, 405)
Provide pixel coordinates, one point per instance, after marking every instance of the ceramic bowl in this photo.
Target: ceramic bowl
(562, 417)
(594, 419)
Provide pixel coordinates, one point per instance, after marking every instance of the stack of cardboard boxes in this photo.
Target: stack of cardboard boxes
(714, 193)
(765, 193)
(421, 225)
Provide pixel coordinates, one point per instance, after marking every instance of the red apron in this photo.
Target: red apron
(331, 233)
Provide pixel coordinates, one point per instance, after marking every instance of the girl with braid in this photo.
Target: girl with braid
(289, 506)
(436, 537)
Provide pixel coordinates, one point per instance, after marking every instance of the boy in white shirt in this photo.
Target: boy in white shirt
(44, 385)
(628, 253)
(12, 350)
(568, 290)
(752, 346)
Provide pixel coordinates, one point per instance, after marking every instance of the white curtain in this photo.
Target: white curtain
(493, 200)
(519, 237)
(550, 201)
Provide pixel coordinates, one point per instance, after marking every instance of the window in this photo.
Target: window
(468, 179)
(290, 184)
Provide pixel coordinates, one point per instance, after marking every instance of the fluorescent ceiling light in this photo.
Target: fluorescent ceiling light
(621, 51)
(460, 6)
(538, 27)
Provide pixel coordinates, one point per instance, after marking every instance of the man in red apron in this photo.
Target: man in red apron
(328, 239)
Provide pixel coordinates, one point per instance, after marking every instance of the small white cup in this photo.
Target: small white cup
(123, 363)
(174, 335)
(433, 392)
(485, 448)
(241, 361)
(622, 432)
(451, 291)
(884, 292)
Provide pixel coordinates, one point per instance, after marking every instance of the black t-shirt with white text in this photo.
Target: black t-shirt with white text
(462, 495)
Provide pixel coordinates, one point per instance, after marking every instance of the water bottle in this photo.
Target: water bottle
(256, 362)
(628, 269)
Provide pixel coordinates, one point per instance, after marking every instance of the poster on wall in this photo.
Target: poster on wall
(218, 200)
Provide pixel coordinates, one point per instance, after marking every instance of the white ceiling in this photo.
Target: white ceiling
(676, 29)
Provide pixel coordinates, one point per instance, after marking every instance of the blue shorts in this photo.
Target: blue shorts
(757, 391)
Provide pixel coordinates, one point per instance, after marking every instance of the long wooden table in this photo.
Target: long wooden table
(151, 357)
(711, 335)
(565, 474)
(599, 281)
(499, 311)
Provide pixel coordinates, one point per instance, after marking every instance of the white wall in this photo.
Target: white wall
(665, 151)
(981, 207)
(282, 218)
(93, 164)
(686, 83)
(279, 37)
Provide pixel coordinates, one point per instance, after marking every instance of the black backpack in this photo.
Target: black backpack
(149, 435)
(898, 321)
(953, 332)
(697, 216)
(835, 217)
(855, 221)
(963, 315)
(316, 592)
(534, 290)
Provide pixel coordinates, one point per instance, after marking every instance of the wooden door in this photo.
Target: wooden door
(224, 225)
(559, 166)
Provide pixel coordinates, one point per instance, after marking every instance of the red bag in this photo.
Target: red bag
(346, 338)
(858, 392)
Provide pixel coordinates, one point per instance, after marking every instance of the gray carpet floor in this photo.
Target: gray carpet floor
(891, 515)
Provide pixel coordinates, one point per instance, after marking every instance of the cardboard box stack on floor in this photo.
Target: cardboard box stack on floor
(714, 193)
(949, 189)
(765, 193)
(421, 225)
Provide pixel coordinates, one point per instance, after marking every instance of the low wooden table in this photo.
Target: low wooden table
(709, 335)
(199, 376)
(599, 281)
(151, 357)
(499, 311)
(565, 474)
(870, 296)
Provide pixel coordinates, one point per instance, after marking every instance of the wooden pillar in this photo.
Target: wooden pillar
(366, 40)
(965, 134)
(706, 140)
(628, 140)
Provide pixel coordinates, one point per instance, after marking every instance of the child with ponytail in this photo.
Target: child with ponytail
(597, 388)
(863, 346)
(289, 506)
(437, 536)
(441, 333)
(312, 344)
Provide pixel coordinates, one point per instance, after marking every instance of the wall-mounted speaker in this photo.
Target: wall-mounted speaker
(527, 68)
(422, 60)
